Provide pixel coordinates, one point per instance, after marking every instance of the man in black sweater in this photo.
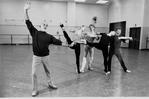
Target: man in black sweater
(41, 41)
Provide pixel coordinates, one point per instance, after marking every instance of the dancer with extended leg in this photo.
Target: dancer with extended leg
(103, 46)
(75, 43)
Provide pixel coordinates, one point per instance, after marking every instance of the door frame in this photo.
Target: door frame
(114, 25)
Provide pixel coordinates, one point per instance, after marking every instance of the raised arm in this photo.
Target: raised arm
(29, 24)
(26, 8)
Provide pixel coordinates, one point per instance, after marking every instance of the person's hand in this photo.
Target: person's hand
(98, 37)
(71, 45)
(83, 41)
(27, 5)
(112, 33)
(130, 38)
(98, 33)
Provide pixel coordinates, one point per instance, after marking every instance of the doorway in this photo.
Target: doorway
(115, 25)
(135, 34)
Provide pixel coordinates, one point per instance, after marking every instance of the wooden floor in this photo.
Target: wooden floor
(15, 74)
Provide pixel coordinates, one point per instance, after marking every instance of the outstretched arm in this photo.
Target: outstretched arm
(57, 41)
(125, 38)
(64, 44)
(26, 8)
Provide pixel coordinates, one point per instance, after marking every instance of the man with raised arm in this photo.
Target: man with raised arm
(41, 41)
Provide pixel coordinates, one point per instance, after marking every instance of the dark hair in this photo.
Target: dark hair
(95, 18)
(92, 25)
(118, 28)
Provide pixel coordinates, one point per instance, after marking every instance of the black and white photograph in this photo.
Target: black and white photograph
(74, 48)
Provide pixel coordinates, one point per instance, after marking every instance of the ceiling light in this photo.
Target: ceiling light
(80, 0)
(102, 1)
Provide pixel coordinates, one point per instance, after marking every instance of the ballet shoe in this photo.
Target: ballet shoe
(107, 73)
(34, 93)
(89, 68)
(82, 71)
(52, 86)
(128, 71)
(61, 25)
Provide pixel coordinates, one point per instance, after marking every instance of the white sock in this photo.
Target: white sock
(83, 64)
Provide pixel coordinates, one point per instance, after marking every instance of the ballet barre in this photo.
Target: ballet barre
(12, 37)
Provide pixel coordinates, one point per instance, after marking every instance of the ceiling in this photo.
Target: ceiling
(86, 2)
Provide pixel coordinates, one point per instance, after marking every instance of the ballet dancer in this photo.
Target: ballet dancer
(103, 46)
(41, 40)
(78, 39)
(91, 35)
(115, 49)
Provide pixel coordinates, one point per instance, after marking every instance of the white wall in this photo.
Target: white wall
(127, 10)
(131, 11)
(71, 14)
(39, 11)
(8, 11)
(145, 26)
(52, 12)
(85, 13)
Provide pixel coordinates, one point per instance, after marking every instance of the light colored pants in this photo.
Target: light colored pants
(36, 63)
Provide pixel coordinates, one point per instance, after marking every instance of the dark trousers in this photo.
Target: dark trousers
(119, 56)
(76, 48)
(104, 49)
